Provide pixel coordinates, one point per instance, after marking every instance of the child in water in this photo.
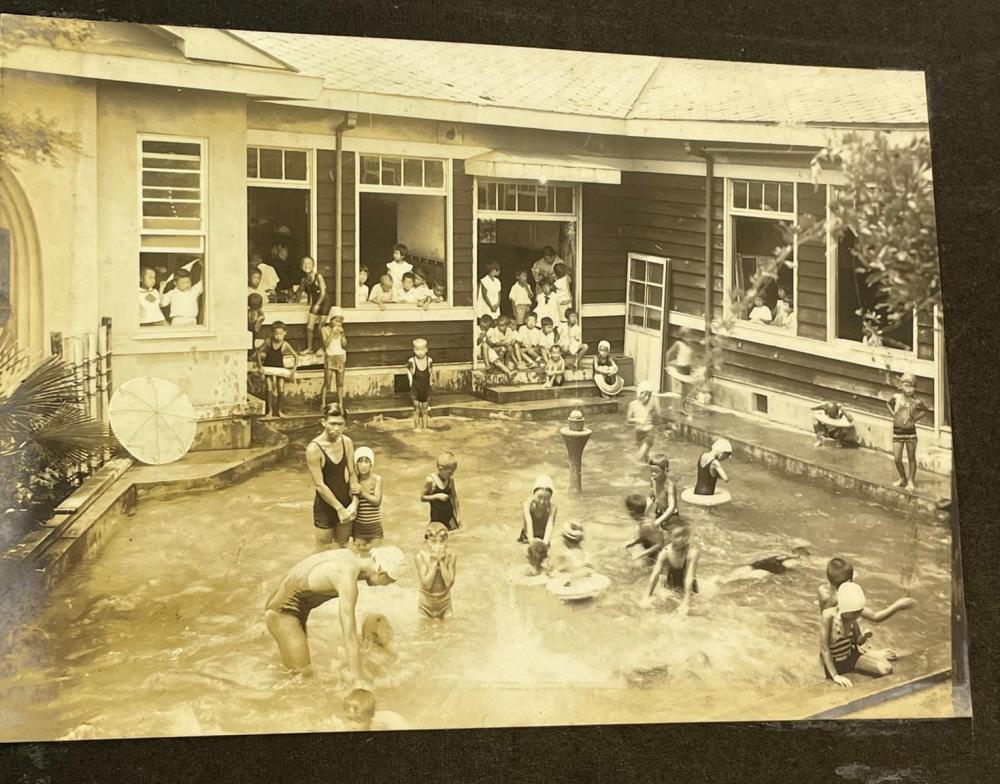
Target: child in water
(538, 513)
(572, 562)
(710, 468)
(640, 416)
(367, 529)
(907, 410)
(840, 571)
(663, 496)
(359, 708)
(677, 564)
(440, 492)
(841, 640)
(436, 572)
(648, 534)
(538, 559)
(680, 366)
(418, 370)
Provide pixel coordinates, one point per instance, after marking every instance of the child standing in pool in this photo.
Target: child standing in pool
(418, 370)
(436, 569)
(538, 513)
(440, 492)
(367, 529)
(680, 366)
(335, 356)
(663, 496)
(640, 416)
(906, 409)
(606, 372)
(710, 468)
(271, 363)
(677, 564)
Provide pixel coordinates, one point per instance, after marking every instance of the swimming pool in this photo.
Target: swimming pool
(162, 634)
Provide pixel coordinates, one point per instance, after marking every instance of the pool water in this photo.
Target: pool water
(162, 634)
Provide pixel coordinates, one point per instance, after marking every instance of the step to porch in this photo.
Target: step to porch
(520, 393)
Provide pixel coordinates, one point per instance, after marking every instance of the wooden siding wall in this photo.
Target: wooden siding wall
(810, 304)
(326, 206)
(609, 328)
(660, 215)
(388, 344)
(463, 236)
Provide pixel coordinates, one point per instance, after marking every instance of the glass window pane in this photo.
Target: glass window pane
(756, 198)
(654, 272)
(635, 315)
(771, 195)
(636, 292)
(413, 172)
(543, 202)
(370, 169)
(251, 161)
(171, 179)
(270, 164)
(564, 199)
(167, 194)
(434, 174)
(482, 191)
(295, 165)
(509, 198)
(171, 148)
(183, 209)
(638, 271)
(166, 162)
(654, 296)
(786, 202)
(392, 171)
(526, 198)
(654, 318)
(740, 194)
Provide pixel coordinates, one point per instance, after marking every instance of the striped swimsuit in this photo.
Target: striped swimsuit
(368, 522)
(843, 648)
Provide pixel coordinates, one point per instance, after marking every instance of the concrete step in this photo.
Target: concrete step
(537, 410)
(518, 393)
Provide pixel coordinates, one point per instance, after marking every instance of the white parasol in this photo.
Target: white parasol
(153, 420)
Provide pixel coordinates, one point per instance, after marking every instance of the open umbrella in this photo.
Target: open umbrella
(153, 420)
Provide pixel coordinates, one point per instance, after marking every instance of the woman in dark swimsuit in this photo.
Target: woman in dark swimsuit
(538, 513)
(331, 462)
(710, 469)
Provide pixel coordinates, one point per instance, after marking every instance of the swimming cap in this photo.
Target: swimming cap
(390, 560)
(336, 312)
(850, 598)
(644, 386)
(419, 343)
(721, 445)
(604, 344)
(364, 451)
(543, 482)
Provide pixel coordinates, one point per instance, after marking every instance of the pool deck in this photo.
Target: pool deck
(794, 452)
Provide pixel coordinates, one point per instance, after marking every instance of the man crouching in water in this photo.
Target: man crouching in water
(331, 574)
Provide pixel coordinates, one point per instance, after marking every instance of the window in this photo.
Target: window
(173, 231)
(645, 294)
(526, 197)
(279, 219)
(859, 315)
(758, 209)
(403, 201)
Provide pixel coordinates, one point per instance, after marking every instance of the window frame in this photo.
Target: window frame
(645, 283)
(265, 182)
(203, 232)
(500, 214)
(405, 311)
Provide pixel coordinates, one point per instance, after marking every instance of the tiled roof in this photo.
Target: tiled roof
(604, 85)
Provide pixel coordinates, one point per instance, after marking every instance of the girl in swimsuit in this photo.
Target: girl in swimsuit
(606, 372)
(367, 528)
(538, 513)
(677, 564)
(841, 640)
(418, 368)
(441, 494)
(313, 285)
(436, 572)
(710, 467)
(663, 495)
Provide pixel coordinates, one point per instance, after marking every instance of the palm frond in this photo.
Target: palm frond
(44, 392)
(68, 437)
(13, 362)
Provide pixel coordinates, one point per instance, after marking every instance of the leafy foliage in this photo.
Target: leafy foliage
(43, 430)
(37, 138)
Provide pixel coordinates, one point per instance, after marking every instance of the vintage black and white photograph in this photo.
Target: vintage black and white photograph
(355, 383)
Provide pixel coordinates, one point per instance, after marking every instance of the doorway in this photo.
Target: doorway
(646, 298)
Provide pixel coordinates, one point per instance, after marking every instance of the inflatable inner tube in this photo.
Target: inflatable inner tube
(279, 372)
(609, 389)
(579, 589)
(823, 419)
(718, 498)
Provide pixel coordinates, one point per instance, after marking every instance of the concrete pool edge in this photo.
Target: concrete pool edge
(32, 567)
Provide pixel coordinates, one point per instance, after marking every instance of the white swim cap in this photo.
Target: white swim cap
(364, 451)
(850, 598)
(335, 312)
(390, 560)
(644, 386)
(722, 445)
(543, 482)
(604, 344)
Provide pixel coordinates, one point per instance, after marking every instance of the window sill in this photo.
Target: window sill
(169, 333)
(370, 314)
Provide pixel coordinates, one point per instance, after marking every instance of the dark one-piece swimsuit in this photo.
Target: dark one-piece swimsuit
(335, 478)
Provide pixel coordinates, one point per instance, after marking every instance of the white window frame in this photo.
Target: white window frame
(265, 182)
(498, 214)
(203, 232)
(399, 311)
(629, 280)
